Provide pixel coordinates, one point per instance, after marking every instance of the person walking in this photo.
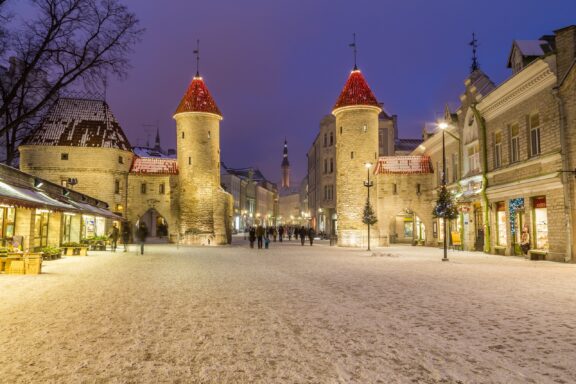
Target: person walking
(260, 235)
(302, 234)
(114, 235)
(252, 236)
(280, 233)
(311, 234)
(125, 235)
(290, 232)
(142, 235)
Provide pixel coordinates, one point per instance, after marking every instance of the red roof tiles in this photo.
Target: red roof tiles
(154, 166)
(198, 99)
(403, 165)
(356, 92)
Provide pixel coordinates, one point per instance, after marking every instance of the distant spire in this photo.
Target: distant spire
(353, 45)
(157, 142)
(197, 53)
(474, 44)
(285, 167)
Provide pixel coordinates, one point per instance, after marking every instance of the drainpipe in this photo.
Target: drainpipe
(564, 175)
(482, 125)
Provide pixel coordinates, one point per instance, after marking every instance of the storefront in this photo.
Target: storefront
(540, 225)
(516, 215)
(501, 225)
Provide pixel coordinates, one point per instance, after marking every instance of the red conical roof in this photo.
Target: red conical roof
(198, 99)
(356, 92)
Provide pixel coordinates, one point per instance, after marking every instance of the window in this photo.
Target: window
(189, 161)
(143, 188)
(534, 122)
(351, 155)
(120, 160)
(7, 220)
(501, 223)
(497, 149)
(325, 165)
(182, 134)
(418, 191)
(119, 207)
(540, 222)
(331, 165)
(116, 186)
(325, 139)
(162, 189)
(474, 158)
(63, 156)
(394, 189)
(514, 143)
(209, 136)
(66, 228)
(340, 130)
(41, 218)
(331, 138)
(64, 183)
(454, 167)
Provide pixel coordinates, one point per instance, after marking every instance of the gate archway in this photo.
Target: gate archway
(156, 223)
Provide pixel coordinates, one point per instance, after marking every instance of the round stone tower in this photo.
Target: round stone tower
(198, 150)
(356, 113)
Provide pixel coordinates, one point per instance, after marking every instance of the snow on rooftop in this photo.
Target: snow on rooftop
(154, 166)
(403, 165)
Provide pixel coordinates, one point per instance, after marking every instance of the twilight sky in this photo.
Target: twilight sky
(275, 67)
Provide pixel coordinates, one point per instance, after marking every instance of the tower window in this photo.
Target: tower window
(340, 130)
(209, 134)
(351, 155)
(325, 140)
(143, 188)
(331, 138)
(394, 189)
(120, 160)
(189, 161)
(116, 186)
(162, 189)
(418, 192)
(182, 134)
(365, 129)
(63, 156)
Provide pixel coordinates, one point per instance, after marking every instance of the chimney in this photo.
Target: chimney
(565, 49)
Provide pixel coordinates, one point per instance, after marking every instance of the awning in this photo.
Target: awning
(28, 198)
(96, 211)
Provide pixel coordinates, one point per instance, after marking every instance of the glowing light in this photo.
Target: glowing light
(443, 125)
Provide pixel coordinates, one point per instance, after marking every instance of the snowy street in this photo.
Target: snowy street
(289, 314)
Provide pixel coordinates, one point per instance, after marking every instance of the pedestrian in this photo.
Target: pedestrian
(125, 235)
(281, 233)
(114, 235)
(142, 235)
(252, 236)
(266, 242)
(525, 240)
(290, 233)
(260, 235)
(311, 235)
(302, 234)
(274, 233)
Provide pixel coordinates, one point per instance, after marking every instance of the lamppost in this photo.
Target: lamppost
(368, 184)
(443, 127)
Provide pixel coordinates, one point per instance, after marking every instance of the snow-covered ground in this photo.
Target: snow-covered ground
(290, 314)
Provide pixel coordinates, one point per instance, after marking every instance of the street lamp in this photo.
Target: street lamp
(368, 184)
(443, 126)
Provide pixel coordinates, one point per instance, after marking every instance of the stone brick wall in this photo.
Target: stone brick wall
(357, 144)
(96, 169)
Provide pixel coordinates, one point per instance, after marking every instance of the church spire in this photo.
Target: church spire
(474, 44)
(285, 166)
(157, 141)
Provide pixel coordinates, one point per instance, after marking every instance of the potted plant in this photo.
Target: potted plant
(75, 249)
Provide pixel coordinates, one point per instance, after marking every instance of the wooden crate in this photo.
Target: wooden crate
(16, 267)
(33, 265)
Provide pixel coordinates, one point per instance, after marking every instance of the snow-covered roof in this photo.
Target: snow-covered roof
(151, 152)
(154, 166)
(356, 92)
(197, 99)
(403, 165)
(79, 123)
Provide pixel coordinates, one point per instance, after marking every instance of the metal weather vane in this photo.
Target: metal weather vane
(353, 45)
(197, 53)
(474, 44)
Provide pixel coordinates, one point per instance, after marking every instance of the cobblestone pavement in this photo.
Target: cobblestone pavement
(289, 314)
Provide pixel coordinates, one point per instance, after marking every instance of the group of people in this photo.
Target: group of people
(141, 234)
(262, 236)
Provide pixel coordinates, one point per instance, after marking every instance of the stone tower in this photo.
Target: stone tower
(356, 113)
(285, 167)
(198, 151)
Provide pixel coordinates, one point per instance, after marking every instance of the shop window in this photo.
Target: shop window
(497, 150)
(514, 143)
(143, 188)
(66, 228)
(534, 122)
(501, 223)
(7, 220)
(41, 219)
(63, 156)
(540, 223)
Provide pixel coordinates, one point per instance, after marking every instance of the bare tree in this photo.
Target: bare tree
(68, 42)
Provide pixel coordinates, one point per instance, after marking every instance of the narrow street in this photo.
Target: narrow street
(289, 314)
